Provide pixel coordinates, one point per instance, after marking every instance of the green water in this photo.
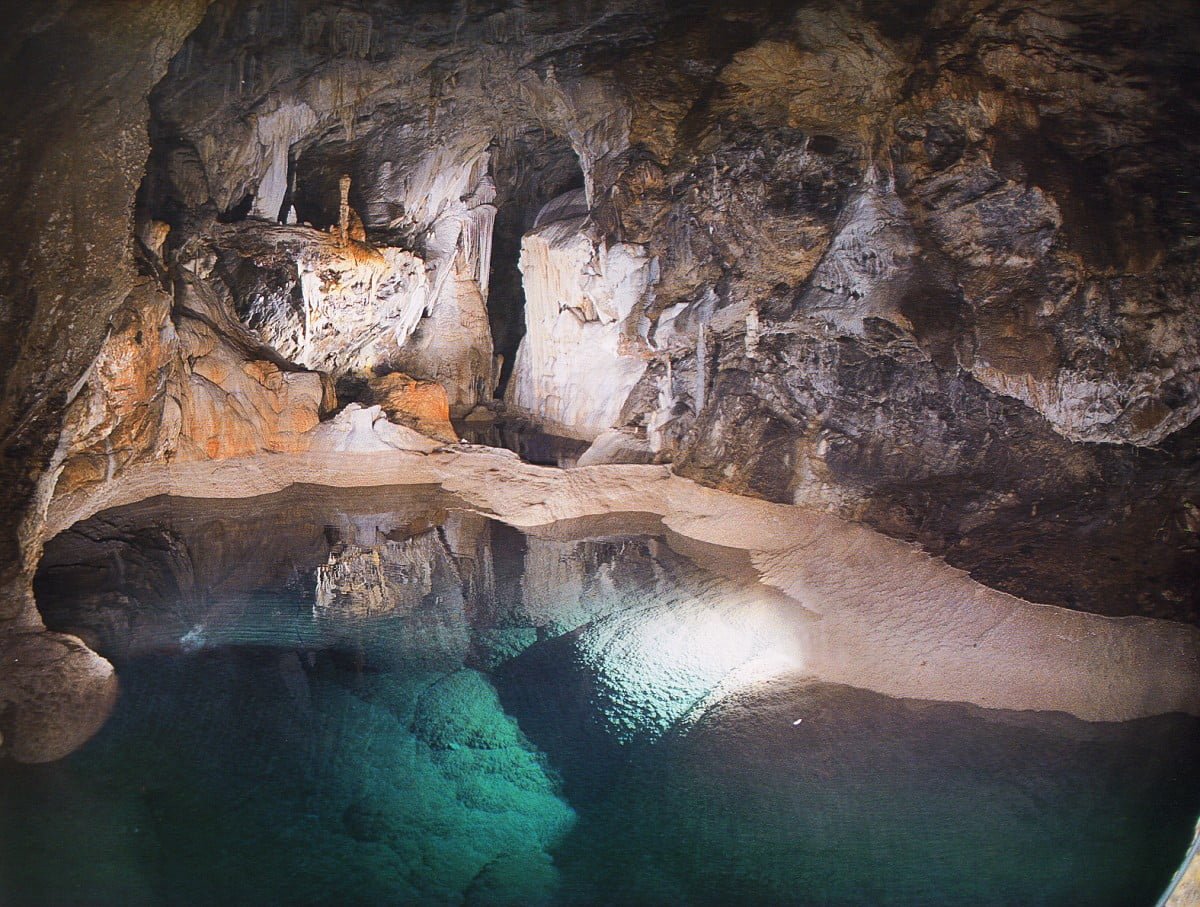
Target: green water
(438, 738)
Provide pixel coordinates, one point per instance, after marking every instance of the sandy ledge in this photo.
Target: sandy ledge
(876, 613)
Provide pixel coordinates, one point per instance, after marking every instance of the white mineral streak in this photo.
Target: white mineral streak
(571, 372)
(276, 132)
(863, 273)
(1097, 405)
(752, 331)
(865, 610)
(662, 414)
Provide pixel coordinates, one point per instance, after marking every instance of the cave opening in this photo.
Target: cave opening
(530, 169)
(314, 183)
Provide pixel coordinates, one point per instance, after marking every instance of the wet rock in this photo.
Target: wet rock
(615, 446)
(931, 266)
(463, 710)
(55, 693)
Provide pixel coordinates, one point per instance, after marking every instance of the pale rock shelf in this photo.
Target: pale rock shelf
(856, 607)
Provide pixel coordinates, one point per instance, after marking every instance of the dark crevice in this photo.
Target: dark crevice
(237, 212)
(529, 170)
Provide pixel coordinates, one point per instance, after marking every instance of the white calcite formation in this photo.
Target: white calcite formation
(276, 132)
(348, 307)
(453, 344)
(358, 429)
(358, 303)
(578, 361)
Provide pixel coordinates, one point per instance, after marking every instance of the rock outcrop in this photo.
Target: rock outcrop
(418, 404)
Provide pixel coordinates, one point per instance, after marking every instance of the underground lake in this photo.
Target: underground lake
(384, 696)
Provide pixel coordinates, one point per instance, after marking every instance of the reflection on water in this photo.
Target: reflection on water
(376, 697)
(531, 444)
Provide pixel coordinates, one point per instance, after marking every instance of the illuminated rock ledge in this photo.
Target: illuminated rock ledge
(875, 613)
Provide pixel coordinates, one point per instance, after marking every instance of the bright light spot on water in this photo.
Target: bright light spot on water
(193, 639)
(661, 665)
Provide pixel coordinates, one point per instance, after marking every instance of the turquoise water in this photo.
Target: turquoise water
(380, 699)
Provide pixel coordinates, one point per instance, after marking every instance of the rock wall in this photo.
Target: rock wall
(579, 359)
(73, 126)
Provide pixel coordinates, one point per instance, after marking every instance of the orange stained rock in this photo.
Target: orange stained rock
(416, 403)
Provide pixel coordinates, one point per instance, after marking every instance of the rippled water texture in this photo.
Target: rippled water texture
(379, 698)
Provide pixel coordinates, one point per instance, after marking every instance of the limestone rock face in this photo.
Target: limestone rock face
(579, 359)
(171, 383)
(75, 141)
(347, 307)
(73, 126)
(418, 404)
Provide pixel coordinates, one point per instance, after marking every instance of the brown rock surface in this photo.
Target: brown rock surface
(55, 693)
(418, 404)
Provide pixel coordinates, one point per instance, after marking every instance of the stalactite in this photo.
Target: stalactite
(343, 227)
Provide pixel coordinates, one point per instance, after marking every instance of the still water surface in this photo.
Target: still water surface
(380, 698)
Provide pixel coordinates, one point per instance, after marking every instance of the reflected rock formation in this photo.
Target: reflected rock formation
(654, 637)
